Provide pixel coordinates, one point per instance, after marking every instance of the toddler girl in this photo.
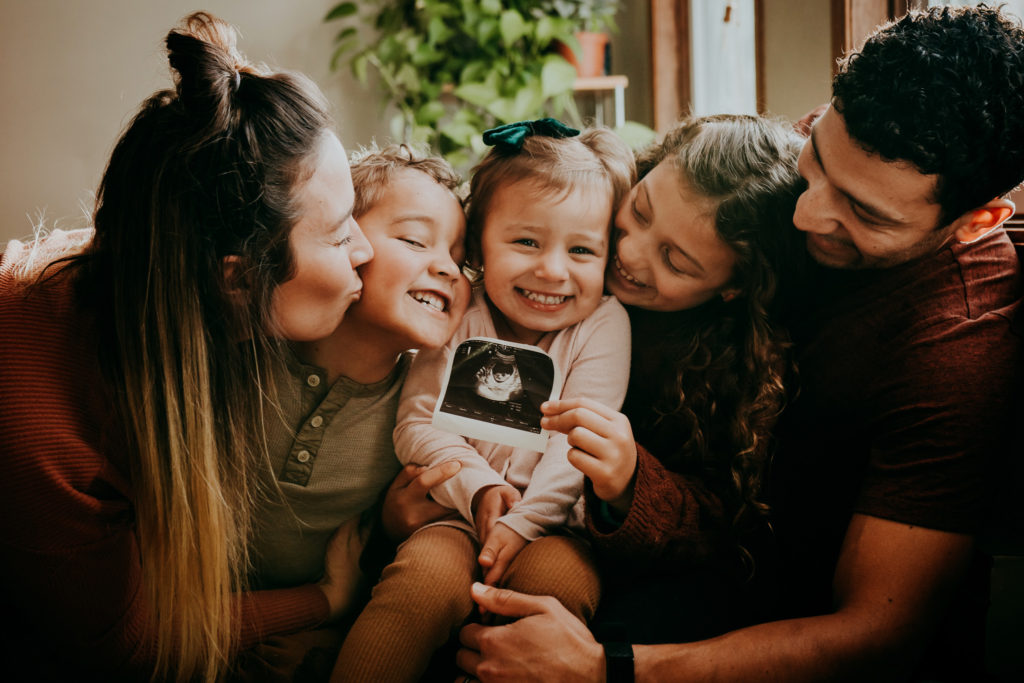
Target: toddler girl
(538, 230)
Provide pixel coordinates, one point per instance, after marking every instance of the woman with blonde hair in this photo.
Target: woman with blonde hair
(135, 359)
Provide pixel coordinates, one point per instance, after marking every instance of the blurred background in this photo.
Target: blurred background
(73, 73)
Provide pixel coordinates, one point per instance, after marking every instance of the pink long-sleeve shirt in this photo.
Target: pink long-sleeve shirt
(593, 357)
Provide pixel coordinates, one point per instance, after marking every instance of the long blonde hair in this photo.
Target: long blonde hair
(204, 173)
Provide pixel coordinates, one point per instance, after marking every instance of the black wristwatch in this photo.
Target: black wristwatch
(618, 662)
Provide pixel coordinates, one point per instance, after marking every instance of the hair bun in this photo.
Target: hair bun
(202, 52)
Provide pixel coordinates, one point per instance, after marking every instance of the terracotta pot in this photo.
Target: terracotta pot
(591, 62)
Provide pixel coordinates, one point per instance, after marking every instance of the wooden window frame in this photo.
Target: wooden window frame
(672, 83)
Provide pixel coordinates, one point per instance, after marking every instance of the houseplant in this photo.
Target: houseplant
(451, 69)
(594, 19)
(454, 68)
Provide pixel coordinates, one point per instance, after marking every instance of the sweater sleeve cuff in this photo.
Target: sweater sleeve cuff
(633, 527)
(285, 610)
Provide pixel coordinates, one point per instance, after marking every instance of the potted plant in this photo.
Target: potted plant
(454, 68)
(593, 19)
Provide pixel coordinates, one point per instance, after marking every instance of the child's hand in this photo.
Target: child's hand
(602, 446)
(501, 548)
(489, 504)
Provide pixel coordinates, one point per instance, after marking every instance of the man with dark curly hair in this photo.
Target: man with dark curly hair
(907, 368)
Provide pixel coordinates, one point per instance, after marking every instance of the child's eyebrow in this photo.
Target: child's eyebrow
(647, 200)
(415, 218)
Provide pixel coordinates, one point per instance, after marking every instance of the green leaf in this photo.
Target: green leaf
(636, 135)
(342, 9)
(421, 134)
(425, 54)
(557, 76)
(480, 94)
(477, 144)
(528, 103)
(459, 133)
(358, 66)
(409, 78)
(546, 29)
(486, 31)
(438, 31)
(430, 113)
(492, 7)
(344, 33)
(512, 27)
(459, 159)
(503, 109)
(341, 49)
(474, 71)
(467, 116)
(398, 126)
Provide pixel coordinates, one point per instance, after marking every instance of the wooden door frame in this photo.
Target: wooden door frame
(671, 80)
(854, 20)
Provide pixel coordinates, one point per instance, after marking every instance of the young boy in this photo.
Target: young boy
(329, 432)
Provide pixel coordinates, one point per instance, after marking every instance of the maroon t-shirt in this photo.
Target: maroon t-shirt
(906, 381)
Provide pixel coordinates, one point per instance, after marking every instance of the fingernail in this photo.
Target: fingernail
(479, 589)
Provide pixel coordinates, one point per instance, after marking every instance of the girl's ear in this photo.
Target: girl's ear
(978, 222)
(729, 294)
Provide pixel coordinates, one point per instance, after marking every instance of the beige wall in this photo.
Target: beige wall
(798, 56)
(73, 73)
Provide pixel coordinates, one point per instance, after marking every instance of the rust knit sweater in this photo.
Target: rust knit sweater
(70, 579)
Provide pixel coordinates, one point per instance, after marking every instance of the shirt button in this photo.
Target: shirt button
(303, 456)
(313, 380)
(316, 421)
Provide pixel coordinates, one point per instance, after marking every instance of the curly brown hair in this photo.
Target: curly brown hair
(707, 383)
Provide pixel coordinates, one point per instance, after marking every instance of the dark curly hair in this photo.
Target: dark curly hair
(942, 89)
(715, 372)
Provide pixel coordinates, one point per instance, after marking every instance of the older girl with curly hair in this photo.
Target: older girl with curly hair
(704, 243)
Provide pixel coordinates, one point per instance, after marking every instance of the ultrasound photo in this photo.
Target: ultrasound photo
(493, 390)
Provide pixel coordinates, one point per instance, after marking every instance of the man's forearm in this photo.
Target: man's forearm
(832, 647)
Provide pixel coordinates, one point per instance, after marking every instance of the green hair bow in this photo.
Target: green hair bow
(510, 137)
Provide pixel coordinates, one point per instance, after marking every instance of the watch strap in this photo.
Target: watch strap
(618, 662)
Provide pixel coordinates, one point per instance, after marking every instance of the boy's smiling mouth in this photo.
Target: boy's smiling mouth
(433, 300)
